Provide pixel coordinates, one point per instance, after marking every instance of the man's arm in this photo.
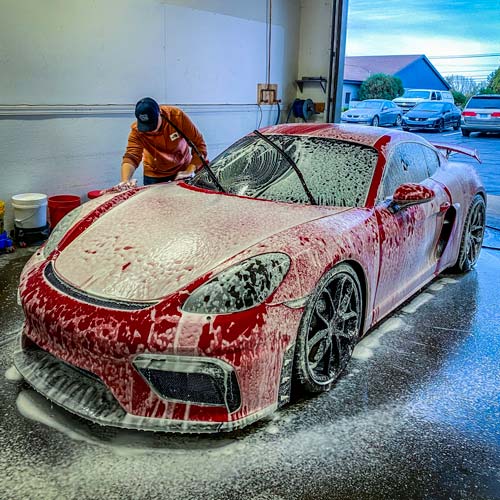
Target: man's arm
(132, 156)
(127, 171)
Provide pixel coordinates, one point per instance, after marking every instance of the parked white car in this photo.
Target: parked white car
(411, 97)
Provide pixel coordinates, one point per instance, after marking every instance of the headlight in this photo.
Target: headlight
(64, 224)
(242, 286)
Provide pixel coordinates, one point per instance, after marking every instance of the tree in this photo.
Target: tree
(462, 84)
(459, 98)
(381, 86)
(494, 81)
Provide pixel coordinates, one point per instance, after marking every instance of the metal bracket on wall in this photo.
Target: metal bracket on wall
(311, 79)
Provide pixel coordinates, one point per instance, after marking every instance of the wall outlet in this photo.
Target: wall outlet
(267, 94)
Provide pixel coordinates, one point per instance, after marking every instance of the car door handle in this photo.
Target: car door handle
(444, 207)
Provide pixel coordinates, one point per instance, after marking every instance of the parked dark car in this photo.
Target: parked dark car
(373, 112)
(481, 114)
(432, 115)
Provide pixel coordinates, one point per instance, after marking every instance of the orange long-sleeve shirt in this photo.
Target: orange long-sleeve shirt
(165, 152)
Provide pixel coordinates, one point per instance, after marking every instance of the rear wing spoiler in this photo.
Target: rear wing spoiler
(447, 150)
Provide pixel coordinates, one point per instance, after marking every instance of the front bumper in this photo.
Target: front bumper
(93, 338)
(86, 396)
(359, 121)
(419, 124)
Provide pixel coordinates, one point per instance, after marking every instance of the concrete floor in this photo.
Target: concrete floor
(416, 415)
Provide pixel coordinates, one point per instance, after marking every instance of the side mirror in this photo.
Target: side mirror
(407, 195)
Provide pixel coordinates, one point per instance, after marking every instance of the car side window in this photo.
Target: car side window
(431, 159)
(407, 163)
(438, 96)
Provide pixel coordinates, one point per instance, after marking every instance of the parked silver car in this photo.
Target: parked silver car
(373, 112)
(481, 114)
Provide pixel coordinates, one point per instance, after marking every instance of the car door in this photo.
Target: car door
(407, 237)
(385, 114)
(447, 114)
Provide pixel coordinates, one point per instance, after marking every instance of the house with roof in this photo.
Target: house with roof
(415, 71)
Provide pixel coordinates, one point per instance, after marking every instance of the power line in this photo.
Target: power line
(466, 56)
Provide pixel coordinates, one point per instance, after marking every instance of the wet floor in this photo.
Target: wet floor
(416, 415)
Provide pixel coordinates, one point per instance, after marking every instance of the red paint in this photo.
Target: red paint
(394, 251)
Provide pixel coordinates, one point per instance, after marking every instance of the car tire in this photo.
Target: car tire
(440, 126)
(329, 330)
(457, 125)
(399, 121)
(465, 133)
(406, 129)
(472, 236)
(375, 121)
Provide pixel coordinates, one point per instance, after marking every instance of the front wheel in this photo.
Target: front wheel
(406, 129)
(375, 121)
(440, 126)
(472, 236)
(465, 133)
(399, 121)
(329, 329)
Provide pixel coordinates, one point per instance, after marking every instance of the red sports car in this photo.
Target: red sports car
(192, 306)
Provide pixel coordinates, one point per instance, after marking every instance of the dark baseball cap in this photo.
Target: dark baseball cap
(147, 112)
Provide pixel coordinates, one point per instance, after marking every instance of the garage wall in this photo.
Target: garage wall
(71, 72)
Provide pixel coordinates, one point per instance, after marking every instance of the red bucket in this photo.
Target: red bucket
(92, 195)
(60, 205)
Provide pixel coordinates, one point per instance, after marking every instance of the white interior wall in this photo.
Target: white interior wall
(314, 50)
(205, 55)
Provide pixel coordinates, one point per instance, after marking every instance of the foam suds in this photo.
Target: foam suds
(123, 442)
(417, 302)
(365, 349)
(13, 375)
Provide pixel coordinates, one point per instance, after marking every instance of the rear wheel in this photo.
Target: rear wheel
(472, 236)
(457, 125)
(465, 133)
(375, 121)
(329, 329)
(399, 121)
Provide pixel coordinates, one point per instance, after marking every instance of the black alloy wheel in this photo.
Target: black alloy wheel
(399, 121)
(457, 125)
(375, 121)
(472, 236)
(440, 125)
(329, 329)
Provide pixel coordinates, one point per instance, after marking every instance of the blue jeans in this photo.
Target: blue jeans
(156, 180)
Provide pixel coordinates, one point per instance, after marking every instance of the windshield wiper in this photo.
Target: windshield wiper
(200, 156)
(292, 164)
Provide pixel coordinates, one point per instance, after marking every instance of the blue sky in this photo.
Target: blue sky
(430, 27)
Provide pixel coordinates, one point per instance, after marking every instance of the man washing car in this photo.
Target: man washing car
(159, 138)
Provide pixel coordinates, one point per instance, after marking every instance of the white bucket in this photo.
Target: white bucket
(30, 210)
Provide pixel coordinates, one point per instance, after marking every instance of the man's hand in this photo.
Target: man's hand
(184, 174)
(125, 185)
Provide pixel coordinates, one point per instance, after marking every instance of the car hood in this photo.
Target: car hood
(164, 237)
(423, 114)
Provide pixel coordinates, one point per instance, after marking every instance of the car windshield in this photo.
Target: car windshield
(484, 102)
(338, 173)
(428, 106)
(369, 105)
(422, 94)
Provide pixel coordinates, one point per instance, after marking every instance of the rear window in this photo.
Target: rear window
(484, 102)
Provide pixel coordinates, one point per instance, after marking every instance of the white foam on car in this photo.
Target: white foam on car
(13, 374)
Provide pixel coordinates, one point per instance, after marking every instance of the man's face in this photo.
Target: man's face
(157, 127)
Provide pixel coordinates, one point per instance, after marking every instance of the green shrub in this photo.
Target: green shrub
(381, 86)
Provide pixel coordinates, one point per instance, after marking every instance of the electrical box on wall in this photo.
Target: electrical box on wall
(267, 93)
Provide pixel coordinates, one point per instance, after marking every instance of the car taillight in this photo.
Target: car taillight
(469, 113)
(496, 114)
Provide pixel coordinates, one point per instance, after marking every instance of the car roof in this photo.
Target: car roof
(367, 136)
